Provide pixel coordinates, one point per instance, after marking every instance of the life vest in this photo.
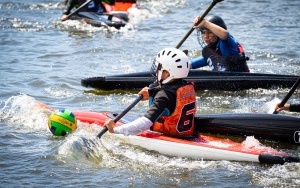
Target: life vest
(217, 62)
(181, 122)
(238, 63)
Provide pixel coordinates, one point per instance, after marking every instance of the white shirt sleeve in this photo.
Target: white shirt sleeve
(135, 127)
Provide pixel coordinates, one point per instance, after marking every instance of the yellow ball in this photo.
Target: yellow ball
(62, 122)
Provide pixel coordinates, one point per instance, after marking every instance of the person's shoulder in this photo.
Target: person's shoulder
(230, 40)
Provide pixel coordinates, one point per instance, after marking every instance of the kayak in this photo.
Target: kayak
(115, 16)
(199, 147)
(274, 127)
(203, 80)
(116, 20)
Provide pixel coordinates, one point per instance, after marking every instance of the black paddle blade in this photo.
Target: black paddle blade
(277, 159)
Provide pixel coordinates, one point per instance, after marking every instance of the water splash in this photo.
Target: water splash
(24, 111)
(269, 107)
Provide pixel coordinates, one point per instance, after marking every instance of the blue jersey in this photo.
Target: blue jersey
(225, 48)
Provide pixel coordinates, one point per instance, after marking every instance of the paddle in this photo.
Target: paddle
(78, 9)
(286, 98)
(180, 43)
(119, 116)
(199, 21)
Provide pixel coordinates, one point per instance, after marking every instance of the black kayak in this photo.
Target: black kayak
(267, 127)
(281, 128)
(204, 80)
(113, 19)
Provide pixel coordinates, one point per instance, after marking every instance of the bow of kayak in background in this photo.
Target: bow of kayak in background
(115, 15)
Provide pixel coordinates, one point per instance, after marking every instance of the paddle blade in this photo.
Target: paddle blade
(277, 159)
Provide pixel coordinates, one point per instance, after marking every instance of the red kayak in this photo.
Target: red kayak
(198, 147)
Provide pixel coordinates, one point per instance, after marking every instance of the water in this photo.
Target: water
(44, 60)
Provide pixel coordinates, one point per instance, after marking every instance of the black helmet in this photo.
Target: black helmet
(216, 20)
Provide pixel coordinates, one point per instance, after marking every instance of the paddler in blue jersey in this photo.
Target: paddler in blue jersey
(172, 104)
(288, 107)
(221, 52)
(93, 6)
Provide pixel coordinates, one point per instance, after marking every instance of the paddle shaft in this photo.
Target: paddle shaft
(199, 21)
(78, 9)
(286, 98)
(104, 130)
(120, 115)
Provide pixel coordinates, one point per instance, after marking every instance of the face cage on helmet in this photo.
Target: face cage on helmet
(200, 38)
(155, 68)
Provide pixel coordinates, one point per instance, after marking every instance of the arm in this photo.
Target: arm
(217, 30)
(69, 4)
(143, 123)
(229, 47)
(295, 107)
(198, 62)
(135, 127)
(285, 107)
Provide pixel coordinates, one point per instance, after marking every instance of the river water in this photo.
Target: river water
(44, 60)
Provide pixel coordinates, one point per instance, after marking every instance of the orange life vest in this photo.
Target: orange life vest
(181, 122)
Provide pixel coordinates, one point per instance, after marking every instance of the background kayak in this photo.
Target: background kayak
(100, 20)
(44, 59)
(204, 80)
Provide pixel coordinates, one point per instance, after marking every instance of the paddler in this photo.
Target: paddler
(221, 52)
(93, 6)
(172, 104)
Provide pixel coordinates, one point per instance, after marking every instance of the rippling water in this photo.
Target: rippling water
(44, 60)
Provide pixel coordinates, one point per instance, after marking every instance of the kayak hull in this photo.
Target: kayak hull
(203, 80)
(100, 20)
(198, 147)
(181, 148)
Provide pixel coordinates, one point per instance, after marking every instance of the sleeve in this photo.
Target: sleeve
(295, 108)
(198, 62)
(69, 4)
(135, 127)
(229, 47)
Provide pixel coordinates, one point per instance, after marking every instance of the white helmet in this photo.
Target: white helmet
(172, 60)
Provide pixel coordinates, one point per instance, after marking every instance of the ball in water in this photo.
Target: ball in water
(62, 122)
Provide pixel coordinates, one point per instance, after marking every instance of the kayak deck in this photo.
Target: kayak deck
(276, 127)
